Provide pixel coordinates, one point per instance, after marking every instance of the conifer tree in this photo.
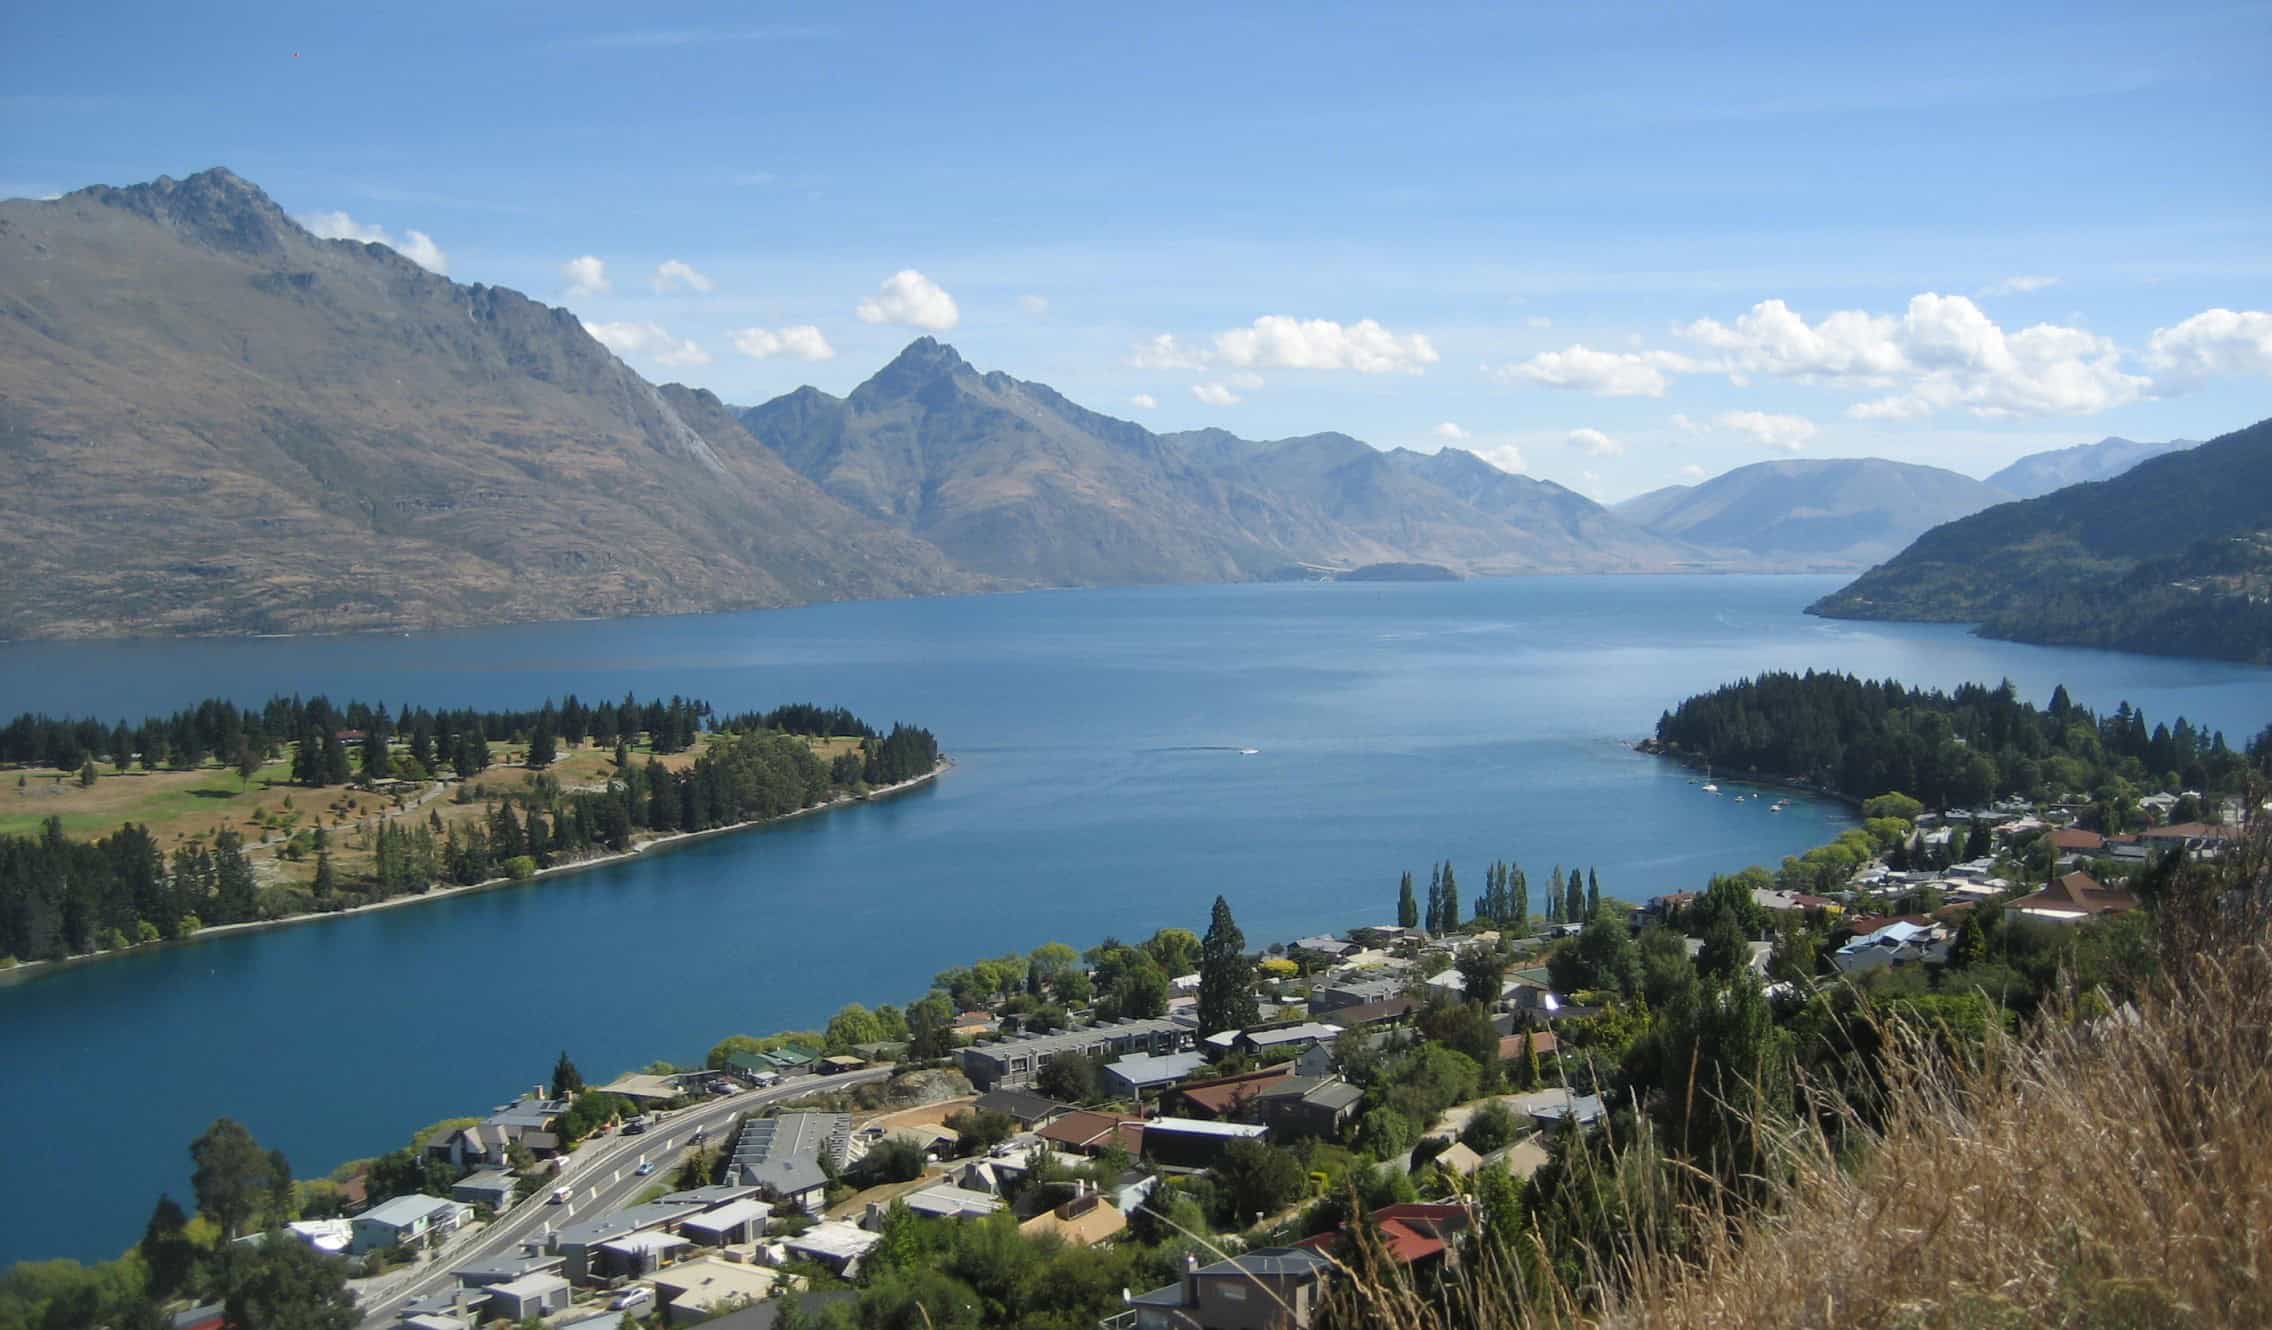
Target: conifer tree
(1436, 899)
(1574, 899)
(1555, 898)
(1407, 909)
(1593, 893)
(1448, 914)
(1226, 976)
(1518, 900)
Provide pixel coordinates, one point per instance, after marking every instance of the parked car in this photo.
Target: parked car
(638, 1295)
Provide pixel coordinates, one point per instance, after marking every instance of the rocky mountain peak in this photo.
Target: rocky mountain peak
(215, 207)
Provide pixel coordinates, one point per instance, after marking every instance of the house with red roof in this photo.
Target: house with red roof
(2072, 899)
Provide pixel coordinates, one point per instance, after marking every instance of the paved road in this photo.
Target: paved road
(604, 1176)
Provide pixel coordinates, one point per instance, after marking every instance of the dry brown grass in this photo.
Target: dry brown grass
(2110, 1169)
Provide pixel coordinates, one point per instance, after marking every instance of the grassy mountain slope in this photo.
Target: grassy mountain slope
(1013, 479)
(1826, 513)
(2173, 546)
(212, 421)
(2038, 474)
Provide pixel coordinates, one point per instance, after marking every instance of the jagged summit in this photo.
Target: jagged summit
(216, 207)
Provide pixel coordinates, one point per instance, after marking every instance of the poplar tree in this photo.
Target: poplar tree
(1574, 899)
(1448, 911)
(1593, 893)
(1407, 909)
(1518, 900)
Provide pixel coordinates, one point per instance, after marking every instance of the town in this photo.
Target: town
(1235, 1126)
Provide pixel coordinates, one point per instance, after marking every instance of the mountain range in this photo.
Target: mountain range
(212, 421)
(2040, 473)
(1811, 514)
(2173, 557)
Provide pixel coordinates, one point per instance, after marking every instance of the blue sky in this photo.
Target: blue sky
(1615, 246)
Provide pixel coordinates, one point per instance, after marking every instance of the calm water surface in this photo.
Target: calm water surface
(1398, 724)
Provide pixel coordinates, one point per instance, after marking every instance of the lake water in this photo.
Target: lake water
(1097, 791)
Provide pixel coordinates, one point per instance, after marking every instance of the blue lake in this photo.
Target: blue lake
(1096, 791)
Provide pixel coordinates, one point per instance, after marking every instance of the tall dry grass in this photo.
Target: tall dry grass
(2108, 1169)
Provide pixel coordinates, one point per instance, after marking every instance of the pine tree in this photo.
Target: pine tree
(566, 1080)
(544, 747)
(1518, 900)
(324, 885)
(1574, 899)
(1450, 909)
(1407, 909)
(1435, 899)
(377, 764)
(1226, 976)
(334, 760)
(87, 772)
(1593, 893)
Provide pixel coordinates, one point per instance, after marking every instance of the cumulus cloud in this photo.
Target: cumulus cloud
(587, 276)
(1941, 353)
(1449, 431)
(679, 275)
(2215, 341)
(1215, 394)
(1165, 352)
(909, 298)
(1275, 341)
(648, 341)
(1144, 402)
(2019, 285)
(801, 342)
(1789, 433)
(1594, 443)
(1602, 373)
(1505, 456)
(416, 246)
(1038, 306)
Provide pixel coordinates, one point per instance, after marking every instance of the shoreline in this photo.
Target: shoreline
(28, 969)
(1650, 747)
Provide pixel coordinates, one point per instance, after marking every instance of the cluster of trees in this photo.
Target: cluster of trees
(239, 1188)
(221, 730)
(1963, 748)
(1505, 902)
(60, 897)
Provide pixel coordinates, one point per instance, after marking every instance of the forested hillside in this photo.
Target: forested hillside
(2169, 557)
(1863, 737)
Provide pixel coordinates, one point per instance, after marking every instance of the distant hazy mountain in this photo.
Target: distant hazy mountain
(1012, 479)
(2173, 556)
(1826, 513)
(2041, 473)
(212, 421)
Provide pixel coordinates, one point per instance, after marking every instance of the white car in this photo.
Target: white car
(638, 1295)
(646, 1168)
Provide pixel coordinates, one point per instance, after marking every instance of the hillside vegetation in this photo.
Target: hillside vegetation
(2170, 557)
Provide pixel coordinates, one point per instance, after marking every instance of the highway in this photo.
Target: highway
(603, 1175)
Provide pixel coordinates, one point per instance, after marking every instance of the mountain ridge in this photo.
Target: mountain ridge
(1815, 513)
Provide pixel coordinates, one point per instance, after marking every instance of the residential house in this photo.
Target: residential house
(407, 1221)
(2071, 899)
(530, 1295)
(1458, 1158)
(529, 1122)
(734, 1222)
(944, 1200)
(1322, 945)
(1353, 992)
(597, 1248)
(1222, 1098)
(1083, 1221)
(1018, 1062)
(1135, 1075)
(504, 1269)
(638, 1255)
(1897, 942)
(2074, 840)
(699, 1291)
(781, 1156)
(1263, 1040)
(1271, 1288)
(1558, 1107)
(1194, 1143)
(1026, 1108)
(1411, 1234)
(835, 1244)
(1519, 1046)
(491, 1187)
(1087, 1133)
(1308, 1105)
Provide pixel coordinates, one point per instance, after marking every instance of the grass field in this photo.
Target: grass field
(181, 807)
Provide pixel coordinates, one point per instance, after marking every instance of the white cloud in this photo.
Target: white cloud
(1789, 433)
(587, 276)
(802, 342)
(1539, 321)
(1594, 443)
(1681, 422)
(908, 297)
(1038, 306)
(648, 341)
(2020, 285)
(1215, 394)
(2215, 341)
(1144, 402)
(1165, 352)
(679, 275)
(1505, 456)
(1275, 341)
(1590, 481)
(1450, 431)
(1602, 373)
(1693, 473)
(1942, 352)
(416, 246)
